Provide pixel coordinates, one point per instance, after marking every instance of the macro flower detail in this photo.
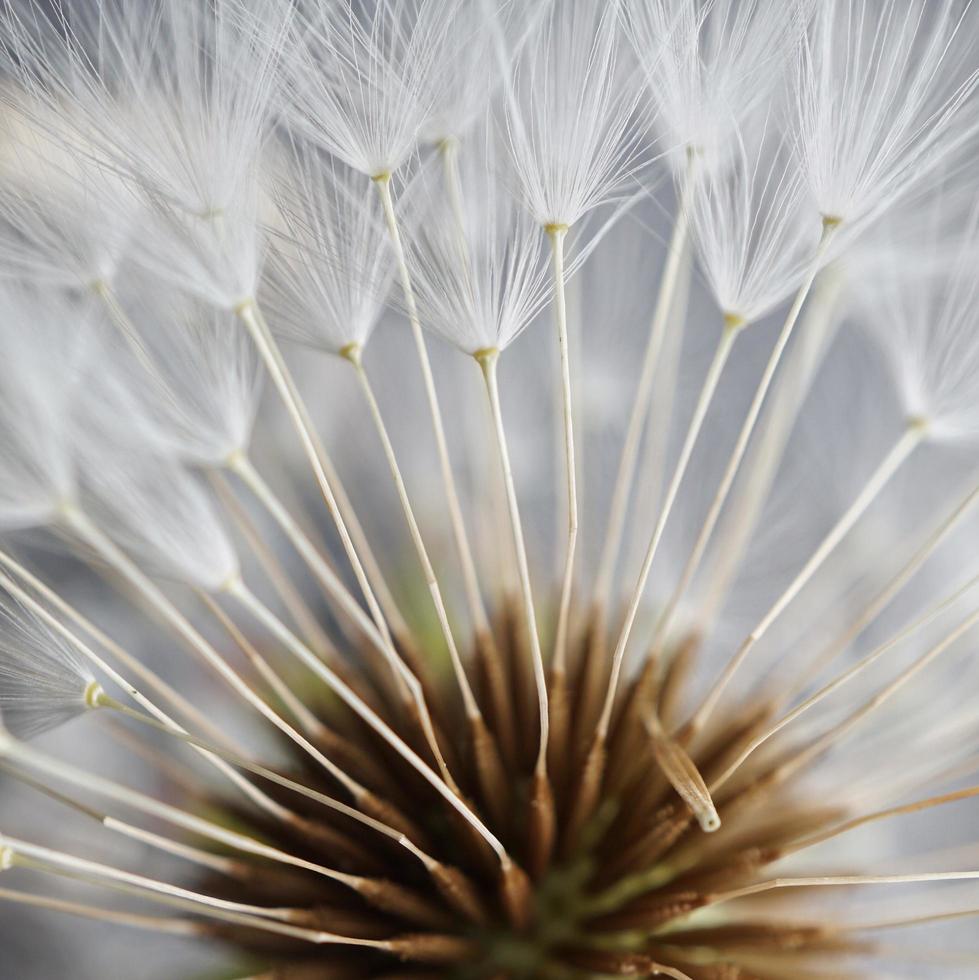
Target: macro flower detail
(488, 489)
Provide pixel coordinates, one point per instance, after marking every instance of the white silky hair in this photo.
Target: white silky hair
(178, 102)
(754, 225)
(46, 343)
(481, 276)
(331, 266)
(471, 82)
(161, 514)
(709, 65)
(885, 93)
(571, 113)
(65, 219)
(43, 680)
(192, 371)
(926, 324)
(364, 77)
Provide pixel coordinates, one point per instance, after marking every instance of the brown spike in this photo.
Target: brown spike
(432, 948)
(459, 892)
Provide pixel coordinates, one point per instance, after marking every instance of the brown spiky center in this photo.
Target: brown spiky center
(625, 883)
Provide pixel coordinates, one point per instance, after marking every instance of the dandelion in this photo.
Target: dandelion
(734, 733)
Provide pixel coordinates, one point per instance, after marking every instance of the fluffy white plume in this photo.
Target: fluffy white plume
(709, 65)
(179, 102)
(572, 113)
(43, 681)
(886, 91)
(45, 346)
(754, 226)
(193, 372)
(366, 76)
(471, 79)
(65, 219)
(331, 264)
(160, 513)
(482, 275)
(927, 323)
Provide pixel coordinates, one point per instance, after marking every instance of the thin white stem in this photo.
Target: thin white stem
(272, 566)
(834, 881)
(748, 427)
(713, 377)
(557, 236)
(253, 793)
(309, 722)
(101, 543)
(167, 845)
(353, 356)
(31, 758)
(136, 667)
(644, 392)
(31, 852)
(151, 923)
(929, 616)
(910, 439)
(104, 701)
(239, 591)
(488, 361)
(242, 467)
(889, 592)
(118, 881)
(879, 699)
(761, 467)
(456, 519)
(275, 365)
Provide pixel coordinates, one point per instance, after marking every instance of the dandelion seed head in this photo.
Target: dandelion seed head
(557, 625)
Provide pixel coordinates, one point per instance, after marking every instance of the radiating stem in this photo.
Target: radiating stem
(762, 465)
(151, 923)
(239, 591)
(31, 758)
(748, 427)
(243, 468)
(902, 449)
(732, 328)
(137, 668)
(353, 356)
(253, 793)
(487, 361)
(265, 344)
(644, 392)
(557, 235)
(858, 668)
(102, 544)
(456, 520)
(105, 701)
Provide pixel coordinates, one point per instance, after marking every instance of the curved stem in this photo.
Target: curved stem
(352, 355)
(557, 236)
(644, 391)
(728, 337)
(902, 449)
(488, 361)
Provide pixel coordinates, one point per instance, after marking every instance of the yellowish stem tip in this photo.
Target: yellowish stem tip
(734, 321)
(556, 228)
(918, 423)
(832, 221)
(382, 178)
(351, 352)
(6, 858)
(243, 307)
(486, 355)
(94, 695)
